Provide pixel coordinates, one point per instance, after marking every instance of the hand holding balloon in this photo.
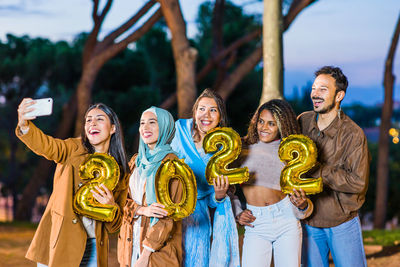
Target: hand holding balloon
(221, 185)
(103, 195)
(300, 153)
(299, 198)
(154, 210)
(175, 169)
(90, 200)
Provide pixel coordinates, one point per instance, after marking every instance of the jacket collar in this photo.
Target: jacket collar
(332, 129)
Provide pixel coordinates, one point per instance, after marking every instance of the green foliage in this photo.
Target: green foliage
(382, 237)
(302, 103)
(129, 107)
(364, 116)
(244, 100)
(393, 206)
(139, 77)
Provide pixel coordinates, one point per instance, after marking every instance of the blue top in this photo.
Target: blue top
(224, 250)
(197, 160)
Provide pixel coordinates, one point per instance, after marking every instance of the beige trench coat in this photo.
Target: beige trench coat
(60, 238)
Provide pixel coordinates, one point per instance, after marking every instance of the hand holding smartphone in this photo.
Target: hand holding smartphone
(42, 107)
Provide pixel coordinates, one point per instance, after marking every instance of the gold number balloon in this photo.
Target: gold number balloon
(300, 154)
(98, 168)
(231, 147)
(176, 169)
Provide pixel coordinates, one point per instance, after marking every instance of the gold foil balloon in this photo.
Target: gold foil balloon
(300, 154)
(231, 147)
(176, 169)
(98, 168)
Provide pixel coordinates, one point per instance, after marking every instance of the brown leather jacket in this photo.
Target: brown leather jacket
(344, 158)
(165, 237)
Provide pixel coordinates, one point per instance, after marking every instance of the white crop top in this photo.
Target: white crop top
(264, 164)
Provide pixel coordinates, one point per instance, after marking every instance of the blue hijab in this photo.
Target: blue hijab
(148, 161)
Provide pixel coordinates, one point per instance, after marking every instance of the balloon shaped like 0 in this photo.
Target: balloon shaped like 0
(231, 147)
(98, 168)
(300, 153)
(176, 169)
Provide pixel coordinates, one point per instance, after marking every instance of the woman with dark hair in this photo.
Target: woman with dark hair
(148, 237)
(64, 238)
(208, 112)
(271, 218)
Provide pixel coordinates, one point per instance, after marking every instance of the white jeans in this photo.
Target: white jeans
(276, 230)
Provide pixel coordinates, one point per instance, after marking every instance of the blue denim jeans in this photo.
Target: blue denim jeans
(276, 230)
(343, 241)
(89, 258)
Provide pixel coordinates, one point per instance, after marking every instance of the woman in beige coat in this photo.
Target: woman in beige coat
(148, 237)
(64, 238)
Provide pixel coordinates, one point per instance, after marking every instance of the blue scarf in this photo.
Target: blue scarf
(184, 145)
(225, 247)
(148, 161)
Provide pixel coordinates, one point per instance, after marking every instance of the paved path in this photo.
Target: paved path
(14, 242)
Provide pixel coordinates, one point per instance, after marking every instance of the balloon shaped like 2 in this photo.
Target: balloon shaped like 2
(99, 168)
(231, 147)
(176, 169)
(300, 154)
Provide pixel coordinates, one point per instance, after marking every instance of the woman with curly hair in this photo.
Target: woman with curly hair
(271, 218)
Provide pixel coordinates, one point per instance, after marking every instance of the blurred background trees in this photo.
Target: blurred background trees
(157, 65)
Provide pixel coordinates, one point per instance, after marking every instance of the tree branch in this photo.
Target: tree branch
(114, 49)
(105, 10)
(91, 42)
(228, 50)
(295, 8)
(392, 49)
(95, 8)
(126, 26)
(169, 102)
(230, 82)
(143, 29)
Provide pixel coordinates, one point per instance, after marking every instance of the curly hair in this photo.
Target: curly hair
(284, 116)
(223, 121)
(337, 74)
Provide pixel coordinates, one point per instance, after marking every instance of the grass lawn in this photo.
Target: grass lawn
(382, 247)
(382, 237)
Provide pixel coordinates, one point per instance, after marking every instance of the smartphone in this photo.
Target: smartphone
(42, 107)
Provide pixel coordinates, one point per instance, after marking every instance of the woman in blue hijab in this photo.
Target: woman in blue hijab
(208, 113)
(148, 237)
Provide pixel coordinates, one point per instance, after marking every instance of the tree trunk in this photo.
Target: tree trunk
(228, 85)
(95, 55)
(14, 170)
(84, 92)
(273, 54)
(184, 56)
(383, 147)
(45, 167)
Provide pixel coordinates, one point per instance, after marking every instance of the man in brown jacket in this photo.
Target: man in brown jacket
(343, 154)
